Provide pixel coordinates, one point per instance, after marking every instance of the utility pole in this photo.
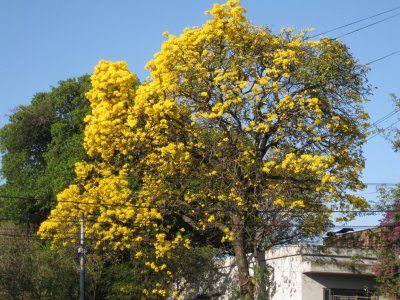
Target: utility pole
(82, 251)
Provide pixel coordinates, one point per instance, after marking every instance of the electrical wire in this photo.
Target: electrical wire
(383, 57)
(385, 117)
(75, 237)
(180, 179)
(366, 26)
(383, 130)
(132, 205)
(355, 22)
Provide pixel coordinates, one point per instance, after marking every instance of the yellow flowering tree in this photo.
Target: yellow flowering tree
(239, 133)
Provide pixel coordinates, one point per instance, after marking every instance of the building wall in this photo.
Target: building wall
(302, 272)
(286, 277)
(312, 289)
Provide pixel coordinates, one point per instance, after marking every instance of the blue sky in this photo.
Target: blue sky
(44, 41)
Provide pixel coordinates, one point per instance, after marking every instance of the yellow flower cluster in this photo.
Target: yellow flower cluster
(111, 97)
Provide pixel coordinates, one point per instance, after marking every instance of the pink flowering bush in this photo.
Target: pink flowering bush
(387, 268)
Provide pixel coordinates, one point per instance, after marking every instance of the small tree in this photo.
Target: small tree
(238, 132)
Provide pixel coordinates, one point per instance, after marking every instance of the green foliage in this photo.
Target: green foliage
(197, 271)
(39, 147)
(30, 270)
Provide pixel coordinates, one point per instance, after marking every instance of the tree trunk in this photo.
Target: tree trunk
(262, 288)
(245, 280)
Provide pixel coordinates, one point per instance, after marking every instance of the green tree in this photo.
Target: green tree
(30, 270)
(40, 145)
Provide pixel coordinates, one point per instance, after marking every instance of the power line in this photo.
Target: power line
(181, 178)
(366, 26)
(385, 117)
(381, 58)
(133, 205)
(382, 119)
(137, 225)
(68, 237)
(367, 193)
(383, 130)
(75, 237)
(354, 22)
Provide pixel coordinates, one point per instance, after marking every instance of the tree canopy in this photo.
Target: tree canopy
(253, 135)
(40, 145)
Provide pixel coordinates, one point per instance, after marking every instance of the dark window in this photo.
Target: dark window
(342, 294)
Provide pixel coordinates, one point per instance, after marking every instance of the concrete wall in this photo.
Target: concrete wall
(286, 277)
(302, 272)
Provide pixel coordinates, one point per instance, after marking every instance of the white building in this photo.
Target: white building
(304, 272)
(341, 269)
(311, 272)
